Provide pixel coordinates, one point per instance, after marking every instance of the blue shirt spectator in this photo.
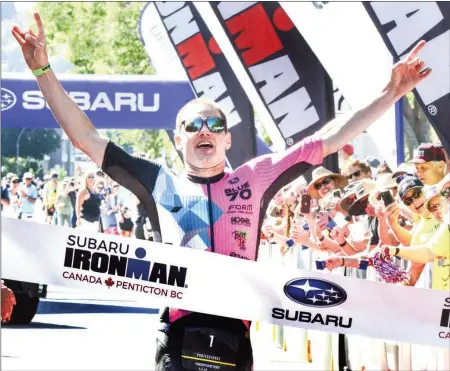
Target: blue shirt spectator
(28, 195)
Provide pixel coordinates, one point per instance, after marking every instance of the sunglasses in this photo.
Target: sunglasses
(445, 192)
(214, 125)
(324, 182)
(16, 181)
(436, 207)
(409, 200)
(355, 174)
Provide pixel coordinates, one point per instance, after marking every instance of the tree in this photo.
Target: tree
(96, 37)
(33, 143)
(417, 127)
(103, 38)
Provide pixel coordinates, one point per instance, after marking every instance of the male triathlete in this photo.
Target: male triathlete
(207, 208)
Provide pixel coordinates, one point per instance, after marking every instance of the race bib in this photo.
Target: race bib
(206, 348)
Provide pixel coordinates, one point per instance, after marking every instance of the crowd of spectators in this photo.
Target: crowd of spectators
(89, 201)
(371, 223)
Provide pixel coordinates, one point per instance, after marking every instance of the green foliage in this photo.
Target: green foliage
(33, 143)
(25, 164)
(62, 173)
(103, 38)
(96, 37)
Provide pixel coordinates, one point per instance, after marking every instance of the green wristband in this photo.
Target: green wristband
(41, 71)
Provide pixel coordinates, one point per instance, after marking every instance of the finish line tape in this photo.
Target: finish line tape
(119, 267)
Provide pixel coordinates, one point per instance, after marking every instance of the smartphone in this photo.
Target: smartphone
(387, 197)
(305, 204)
(323, 217)
(337, 193)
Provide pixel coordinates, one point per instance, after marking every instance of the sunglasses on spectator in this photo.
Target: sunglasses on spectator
(324, 182)
(16, 181)
(445, 192)
(436, 207)
(91, 177)
(214, 124)
(355, 174)
(417, 193)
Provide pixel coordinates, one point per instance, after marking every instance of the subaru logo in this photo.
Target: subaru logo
(8, 99)
(314, 292)
(234, 180)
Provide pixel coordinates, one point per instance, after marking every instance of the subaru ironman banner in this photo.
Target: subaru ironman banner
(402, 25)
(119, 268)
(210, 74)
(109, 102)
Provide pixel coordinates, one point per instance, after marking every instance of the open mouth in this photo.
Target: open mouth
(420, 206)
(204, 145)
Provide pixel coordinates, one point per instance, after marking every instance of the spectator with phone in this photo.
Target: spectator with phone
(411, 193)
(323, 183)
(384, 194)
(437, 248)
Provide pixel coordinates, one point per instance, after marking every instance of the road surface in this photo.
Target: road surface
(75, 332)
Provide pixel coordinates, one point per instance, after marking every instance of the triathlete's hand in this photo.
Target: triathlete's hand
(33, 46)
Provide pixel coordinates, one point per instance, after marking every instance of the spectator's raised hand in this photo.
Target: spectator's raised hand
(338, 235)
(267, 229)
(334, 262)
(299, 234)
(392, 213)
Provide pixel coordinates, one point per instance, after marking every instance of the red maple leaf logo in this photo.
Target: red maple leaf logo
(109, 282)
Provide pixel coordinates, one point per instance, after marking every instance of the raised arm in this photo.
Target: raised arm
(70, 117)
(405, 76)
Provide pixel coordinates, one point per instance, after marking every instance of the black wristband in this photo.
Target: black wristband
(343, 262)
(397, 250)
(343, 244)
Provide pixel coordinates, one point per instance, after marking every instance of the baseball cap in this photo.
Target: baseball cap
(372, 161)
(404, 168)
(348, 149)
(27, 175)
(407, 183)
(428, 152)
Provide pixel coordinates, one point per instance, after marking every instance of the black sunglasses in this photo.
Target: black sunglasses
(214, 124)
(324, 182)
(445, 192)
(355, 174)
(416, 194)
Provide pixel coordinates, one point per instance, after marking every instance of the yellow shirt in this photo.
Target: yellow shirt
(50, 193)
(440, 245)
(423, 232)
